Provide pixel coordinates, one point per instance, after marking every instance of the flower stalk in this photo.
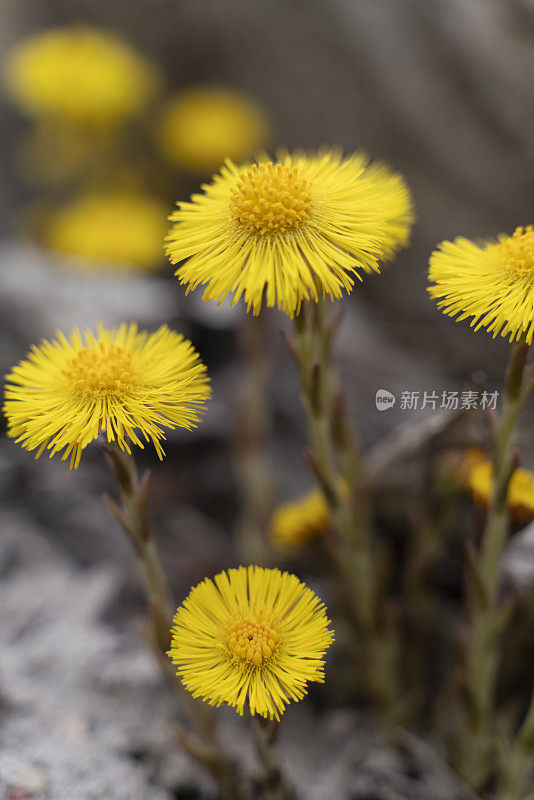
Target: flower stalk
(336, 463)
(134, 518)
(474, 747)
(252, 464)
(498, 518)
(516, 761)
(272, 783)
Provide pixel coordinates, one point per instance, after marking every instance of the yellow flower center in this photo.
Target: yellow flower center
(518, 252)
(251, 641)
(269, 198)
(101, 371)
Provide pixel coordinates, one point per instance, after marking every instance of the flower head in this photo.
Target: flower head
(492, 282)
(520, 500)
(250, 635)
(121, 229)
(124, 383)
(296, 523)
(290, 231)
(203, 126)
(79, 73)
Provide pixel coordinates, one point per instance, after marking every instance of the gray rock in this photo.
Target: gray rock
(82, 702)
(41, 294)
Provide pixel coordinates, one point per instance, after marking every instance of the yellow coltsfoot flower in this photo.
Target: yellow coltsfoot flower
(118, 229)
(479, 481)
(250, 635)
(79, 73)
(294, 524)
(492, 282)
(203, 126)
(127, 384)
(286, 232)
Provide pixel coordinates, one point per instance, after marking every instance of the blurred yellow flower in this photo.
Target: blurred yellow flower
(251, 635)
(520, 490)
(285, 232)
(296, 523)
(80, 73)
(115, 229)
(124, 383)
(203, 126)
(468, 460)
(492, 282)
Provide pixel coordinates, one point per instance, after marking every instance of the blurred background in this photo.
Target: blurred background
(440, 89)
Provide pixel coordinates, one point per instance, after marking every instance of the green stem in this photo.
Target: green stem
(335, 460)
(252, 429)
(135, 521)
(498, 518)
(487, 617)
(134, 518)
(518, 760)
(423, 612)
(319, 386)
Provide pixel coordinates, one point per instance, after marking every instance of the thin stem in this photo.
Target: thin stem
(424, 613)
(272, 783)
(319, 389)
(517, 761)
(134, 518)
(498, 518)
(335, 460)
(252, 429)
(487, 616)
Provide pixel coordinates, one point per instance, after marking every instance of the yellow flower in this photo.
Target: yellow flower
(468, 460)
(201, 127)
(520, 489)
(250, 634)
(119, 229)
(290, 231)
(79, 73)
(492, 282)
(294, 524)
(123, 383)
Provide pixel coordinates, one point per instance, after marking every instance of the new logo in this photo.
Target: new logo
(384, 399)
